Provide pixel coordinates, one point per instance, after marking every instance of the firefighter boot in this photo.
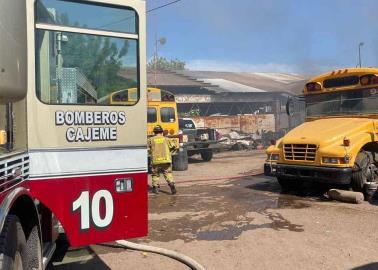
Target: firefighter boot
(155, 190)
(173, 188)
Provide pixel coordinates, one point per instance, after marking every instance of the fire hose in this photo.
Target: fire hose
(173, 254)
(168, 253)
(257, 172)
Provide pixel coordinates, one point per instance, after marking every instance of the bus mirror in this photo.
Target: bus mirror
(290, 106)
(13, 52)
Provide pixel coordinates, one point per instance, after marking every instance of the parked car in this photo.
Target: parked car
(196, 140)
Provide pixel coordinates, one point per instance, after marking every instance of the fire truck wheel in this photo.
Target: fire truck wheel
(34, 250)
(180, 161)
(12, 245)
(289, 184)
(207, 155)
(364, 171)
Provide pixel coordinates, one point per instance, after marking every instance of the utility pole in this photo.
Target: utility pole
(155, 58)
(160, 41)
(359, 53)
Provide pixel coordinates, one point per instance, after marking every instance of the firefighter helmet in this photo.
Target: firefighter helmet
(158, 129)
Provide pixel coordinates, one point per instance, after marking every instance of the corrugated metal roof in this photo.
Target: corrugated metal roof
(232, 86)
(225, 81)
(166, 78)
(269, 82)
(280, 77)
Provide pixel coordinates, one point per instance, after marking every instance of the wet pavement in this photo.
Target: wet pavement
(230, 204)
(223, 218)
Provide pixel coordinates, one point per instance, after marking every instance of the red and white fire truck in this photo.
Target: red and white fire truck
(68, 161)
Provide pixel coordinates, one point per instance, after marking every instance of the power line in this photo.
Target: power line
(148, 11)
(163, 6)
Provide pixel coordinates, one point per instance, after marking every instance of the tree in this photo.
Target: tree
(99, 58)
(163, 63)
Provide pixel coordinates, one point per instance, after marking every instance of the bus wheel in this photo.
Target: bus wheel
(180, 161)
(34, 250)
(207, 155)
(288, 184)
(13, 245)
(364, 171)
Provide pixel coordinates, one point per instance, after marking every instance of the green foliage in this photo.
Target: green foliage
(98, 58)
(192, 113)
(163, 63)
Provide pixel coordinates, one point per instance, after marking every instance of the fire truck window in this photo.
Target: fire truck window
(77, 14)
(167, 115)
(151, 115)
(74, 68)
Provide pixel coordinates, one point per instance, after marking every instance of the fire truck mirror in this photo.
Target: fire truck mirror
(13, 53)
(124, 185)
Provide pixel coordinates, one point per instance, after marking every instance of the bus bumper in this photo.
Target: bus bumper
(310, 173)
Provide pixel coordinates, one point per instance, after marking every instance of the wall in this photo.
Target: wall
(241, 123)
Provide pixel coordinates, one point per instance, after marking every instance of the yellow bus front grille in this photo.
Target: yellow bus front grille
(300, 152)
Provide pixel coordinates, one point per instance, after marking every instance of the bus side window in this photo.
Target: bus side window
(151, 115)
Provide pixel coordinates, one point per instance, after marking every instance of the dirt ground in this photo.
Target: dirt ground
(240, 221)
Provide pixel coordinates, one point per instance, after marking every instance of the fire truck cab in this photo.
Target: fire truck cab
(67, 160)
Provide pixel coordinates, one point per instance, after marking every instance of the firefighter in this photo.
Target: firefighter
(160, 148)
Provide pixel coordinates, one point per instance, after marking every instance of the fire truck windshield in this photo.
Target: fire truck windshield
(92, 16)
(349, 103)
(81, 58)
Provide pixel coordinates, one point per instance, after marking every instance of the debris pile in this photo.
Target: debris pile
(237, 141)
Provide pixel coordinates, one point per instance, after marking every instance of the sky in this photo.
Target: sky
(302, 37)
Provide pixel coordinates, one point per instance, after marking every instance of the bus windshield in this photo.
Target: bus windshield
(352, 102)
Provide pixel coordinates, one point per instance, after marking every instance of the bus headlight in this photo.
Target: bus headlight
(330, 160)
(273, 157)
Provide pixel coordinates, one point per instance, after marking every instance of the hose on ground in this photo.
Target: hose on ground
(220, 179)
(169, 253)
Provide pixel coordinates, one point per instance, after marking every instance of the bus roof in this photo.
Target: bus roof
(160, 95)
(337, 80)
(344, 72)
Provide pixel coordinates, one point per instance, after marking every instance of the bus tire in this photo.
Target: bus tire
(363, 171)
(288, 184)
(207, 155)
(13, 250)
(34, 250)
(180, 161)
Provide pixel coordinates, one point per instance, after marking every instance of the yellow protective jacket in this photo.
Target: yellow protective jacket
(160, 149)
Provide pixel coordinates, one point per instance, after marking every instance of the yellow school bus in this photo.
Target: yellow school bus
(338, 143)
(161, 110)
(121, 97)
